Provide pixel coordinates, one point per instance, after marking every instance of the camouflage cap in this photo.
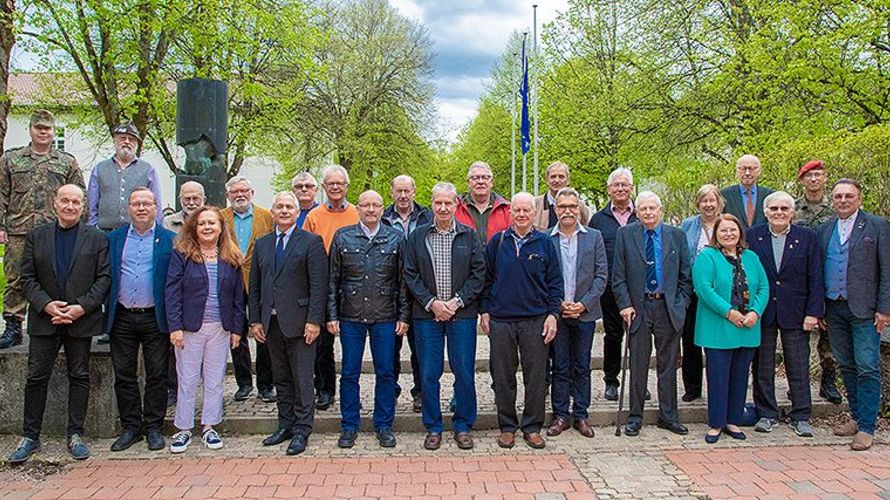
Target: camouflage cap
(42, 118)
(126, 128)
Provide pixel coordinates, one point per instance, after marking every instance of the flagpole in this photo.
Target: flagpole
(513, 128)
(525, 122)
(534, 92)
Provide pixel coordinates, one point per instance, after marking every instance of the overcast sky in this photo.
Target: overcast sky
(469, 36)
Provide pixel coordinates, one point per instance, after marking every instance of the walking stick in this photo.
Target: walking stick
(623, 378)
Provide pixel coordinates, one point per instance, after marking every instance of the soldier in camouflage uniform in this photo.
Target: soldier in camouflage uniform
(29, 178)
(812, 209)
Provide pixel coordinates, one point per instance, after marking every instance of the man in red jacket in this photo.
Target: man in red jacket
(481, 208)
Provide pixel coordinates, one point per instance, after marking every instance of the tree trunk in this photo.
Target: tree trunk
(7, 40)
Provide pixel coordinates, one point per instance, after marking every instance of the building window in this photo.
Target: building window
(59, 141)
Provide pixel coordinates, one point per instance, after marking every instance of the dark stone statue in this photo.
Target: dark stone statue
(202, 131)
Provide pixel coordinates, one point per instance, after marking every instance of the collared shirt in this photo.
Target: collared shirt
(367, 231)
(332, 207)
(518, 241)
(622, 216)
(109, 189)
(812, 215)
(243, 223)
(137, 269)
(405, 224)
(656, 240)
(778, 241)
(303, 213)
(744, 193)
(439, 244)
(287, 234)
(845, 227)
(568, 250)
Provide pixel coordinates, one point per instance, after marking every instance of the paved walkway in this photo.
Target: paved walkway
(656, 464)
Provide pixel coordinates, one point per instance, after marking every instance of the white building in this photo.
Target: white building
(23, 91)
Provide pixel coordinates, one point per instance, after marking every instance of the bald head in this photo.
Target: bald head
(68, 204)
(370, 208)
(747, 170)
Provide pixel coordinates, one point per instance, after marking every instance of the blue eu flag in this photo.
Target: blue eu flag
(525, 133)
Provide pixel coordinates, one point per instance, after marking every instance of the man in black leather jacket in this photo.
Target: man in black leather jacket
(367, 297)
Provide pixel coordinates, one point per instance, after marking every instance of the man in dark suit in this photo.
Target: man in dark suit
(745, 199)
(582, 257)
(139, 254)
(618, 213)
(65, 277)
(856, 247)
(793, 262)
(652, 285)
(288, 292)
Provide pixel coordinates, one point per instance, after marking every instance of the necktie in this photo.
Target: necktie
(651, 275)
(279, 251)
(552, 218)
(749, 207)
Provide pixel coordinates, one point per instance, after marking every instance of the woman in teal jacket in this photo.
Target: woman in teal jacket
(732, 293)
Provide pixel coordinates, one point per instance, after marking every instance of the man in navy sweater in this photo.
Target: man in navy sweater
(520, 303)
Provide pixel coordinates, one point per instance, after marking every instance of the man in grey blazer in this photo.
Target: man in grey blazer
(745, 199)
(856, 247)
(65, 276)
(286, 303)
(582, 256)
(652, 285)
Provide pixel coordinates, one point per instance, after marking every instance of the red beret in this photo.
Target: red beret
(811, 165)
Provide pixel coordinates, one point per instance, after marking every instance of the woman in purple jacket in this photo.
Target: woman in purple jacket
(204, 298)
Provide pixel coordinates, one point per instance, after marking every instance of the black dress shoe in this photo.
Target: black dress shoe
(324, 401)
(347, 439)
(828, 388)
(386, 438)
(611, 392)
(267, 394)
(126, 440)
(632, 428)
(242, 392)
(103, 339)
(297, 445)
(690, 397)
(155, 440)
(675, 427)
(278, 437)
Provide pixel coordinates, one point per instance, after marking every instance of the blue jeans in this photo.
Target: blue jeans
(383, 342)
(727, 371)
(571, 368)
(856, 346)
(430, 338)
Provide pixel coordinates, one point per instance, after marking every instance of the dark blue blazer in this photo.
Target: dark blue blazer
(186, 295)
(160, 260)
(797, 289)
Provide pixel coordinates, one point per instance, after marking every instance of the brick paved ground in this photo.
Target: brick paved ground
(656, 464)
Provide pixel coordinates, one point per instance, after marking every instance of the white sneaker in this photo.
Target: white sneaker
(211, 439)
(181, 441)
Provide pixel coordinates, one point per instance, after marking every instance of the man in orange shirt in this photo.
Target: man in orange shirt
(324, 221)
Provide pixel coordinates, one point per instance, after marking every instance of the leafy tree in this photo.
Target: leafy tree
(7, 40)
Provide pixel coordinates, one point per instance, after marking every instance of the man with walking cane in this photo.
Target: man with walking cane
(652, 286)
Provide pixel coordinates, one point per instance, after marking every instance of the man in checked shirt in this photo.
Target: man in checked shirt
(445, 271)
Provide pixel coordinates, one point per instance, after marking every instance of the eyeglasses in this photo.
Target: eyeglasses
(620, 185)
(747, 168)
(189, 199)
(370, 205)
(240, 191)
(477, 178)
(336, 184)
(563, 208)
(142, 204)
(300, 187)
(775, 208)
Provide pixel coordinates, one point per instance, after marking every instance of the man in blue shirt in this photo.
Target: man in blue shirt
(305, 188)
(139, 254)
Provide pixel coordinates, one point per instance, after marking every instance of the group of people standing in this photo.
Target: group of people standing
(534, 273)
